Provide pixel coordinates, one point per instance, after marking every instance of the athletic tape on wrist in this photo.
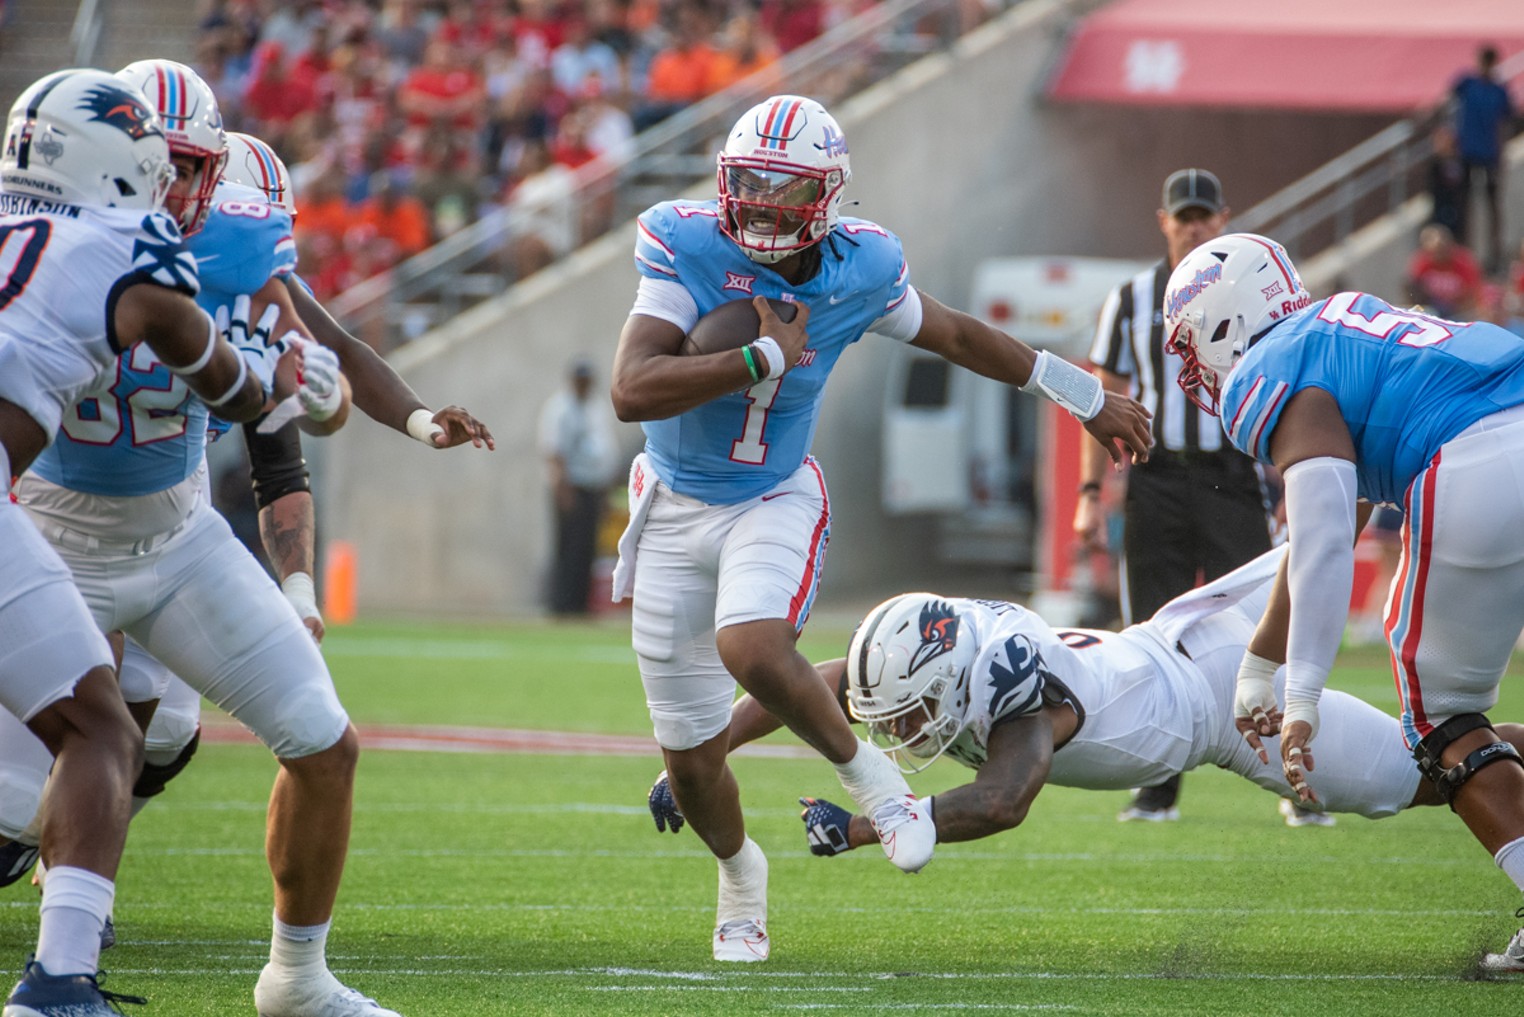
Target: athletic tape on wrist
(421, 426)
(769, 348)
(1076, 390)
(300, 592)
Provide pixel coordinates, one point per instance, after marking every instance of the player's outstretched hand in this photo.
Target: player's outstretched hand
(825, 826)
(791, 335)
(1256, 711)
(460, 427)
(1296, 757)
(1123, 420)
(663, 806)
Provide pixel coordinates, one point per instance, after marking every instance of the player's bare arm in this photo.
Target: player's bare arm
(182, 336)
(1312, 447)
(288, 529)
(1120, 424)
(1003, 789)
(380, 391)
(1088, 514)
(652, 381)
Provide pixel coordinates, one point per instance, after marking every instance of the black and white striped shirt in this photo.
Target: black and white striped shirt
(1129, 341)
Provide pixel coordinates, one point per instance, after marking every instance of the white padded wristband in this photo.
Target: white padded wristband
(1255, 687)
(1076, 390)
(769, 348)
(420, 424)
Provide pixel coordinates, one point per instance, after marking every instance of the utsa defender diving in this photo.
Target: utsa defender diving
(730, 517)
(120, 496)
(1361, 403)
(995, 687)
(95, 270)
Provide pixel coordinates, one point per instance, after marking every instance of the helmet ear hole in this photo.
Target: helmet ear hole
(1221, 332)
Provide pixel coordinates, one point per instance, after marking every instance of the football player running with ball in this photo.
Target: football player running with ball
(729, 512)
(1360, 403)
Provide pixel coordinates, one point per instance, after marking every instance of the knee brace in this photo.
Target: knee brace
(1449, 781)
(153, 778)
(16, 860)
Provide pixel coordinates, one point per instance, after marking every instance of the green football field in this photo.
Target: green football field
(484, 882)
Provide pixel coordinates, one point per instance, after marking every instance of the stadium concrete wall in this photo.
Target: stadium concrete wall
(958, 154)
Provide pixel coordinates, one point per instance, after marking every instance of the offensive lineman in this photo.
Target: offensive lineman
(120, 496)
(85, 171)
(729, 513)
(1358, 401)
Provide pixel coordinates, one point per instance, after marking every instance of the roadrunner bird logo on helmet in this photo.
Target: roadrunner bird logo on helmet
(908, 671)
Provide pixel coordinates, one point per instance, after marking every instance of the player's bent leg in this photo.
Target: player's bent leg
(24, 766)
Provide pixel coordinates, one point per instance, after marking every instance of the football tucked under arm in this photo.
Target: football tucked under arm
(731, 326)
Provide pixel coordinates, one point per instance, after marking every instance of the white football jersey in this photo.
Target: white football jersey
(64, 268)
(1142, 709)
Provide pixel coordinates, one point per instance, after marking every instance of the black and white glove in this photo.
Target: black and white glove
(825, 826)
(319, 390)
(663, 806)
(258, 352)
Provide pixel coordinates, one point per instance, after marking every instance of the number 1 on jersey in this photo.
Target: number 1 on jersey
(750, 448)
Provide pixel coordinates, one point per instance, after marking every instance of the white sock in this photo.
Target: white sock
(743, 884)
(75, 903)
(1510, 859)
(870, 776)
(299, 946)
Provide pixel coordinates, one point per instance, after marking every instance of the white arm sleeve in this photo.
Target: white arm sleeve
(904, 322)
(1320, 513)
(669, 301)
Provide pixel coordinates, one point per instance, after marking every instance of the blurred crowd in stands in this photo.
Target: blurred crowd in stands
(1449, 273)
(403, 120)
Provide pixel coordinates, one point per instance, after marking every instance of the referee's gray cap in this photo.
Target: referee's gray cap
(1192, 188)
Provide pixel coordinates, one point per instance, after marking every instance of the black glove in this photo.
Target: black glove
(825, 825)
(663, 806)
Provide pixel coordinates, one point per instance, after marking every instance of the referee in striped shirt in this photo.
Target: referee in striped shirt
(1196, 509)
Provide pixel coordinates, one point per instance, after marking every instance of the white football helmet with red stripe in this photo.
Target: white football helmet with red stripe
(781, 177)
(193, 125)
(1220, 296)
(253, 163)
(908, 677)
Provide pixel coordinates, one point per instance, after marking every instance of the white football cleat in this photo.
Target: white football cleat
(742, 939)
(906, 831)
(1508, 963)
(1296, 816)
(281, 992)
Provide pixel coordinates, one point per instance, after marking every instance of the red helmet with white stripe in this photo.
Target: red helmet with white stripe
(781, 176)
(193, 126)
(1220, 296)
(253, 163)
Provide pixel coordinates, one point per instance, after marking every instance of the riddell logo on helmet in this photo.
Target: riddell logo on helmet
(1175, 302)
(1287, 306)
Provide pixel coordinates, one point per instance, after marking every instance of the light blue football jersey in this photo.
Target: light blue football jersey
(745, 443)
(1405, 383)
(144, 431)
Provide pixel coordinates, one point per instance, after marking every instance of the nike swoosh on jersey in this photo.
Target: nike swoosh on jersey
(779, 494)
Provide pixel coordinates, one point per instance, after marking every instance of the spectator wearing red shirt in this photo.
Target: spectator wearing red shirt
(442, 91)
(793, 22)
(275, 96)
(1443, 276)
